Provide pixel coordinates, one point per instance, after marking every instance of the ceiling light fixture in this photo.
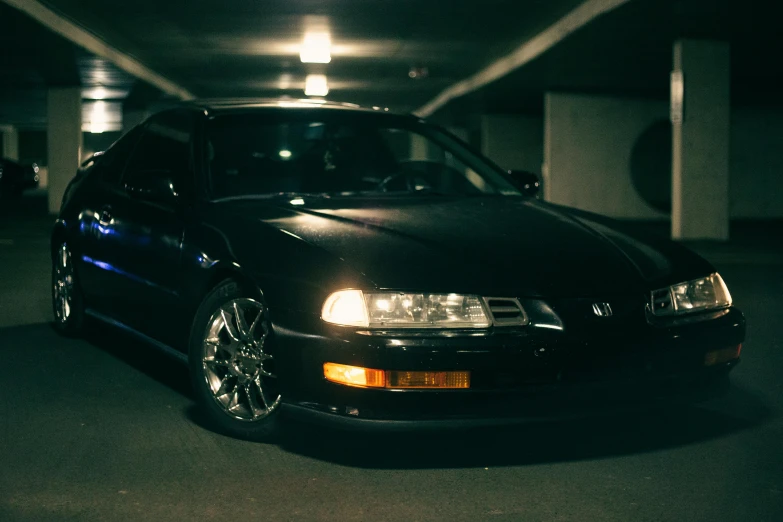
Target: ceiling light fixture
(98, 118)
(418, 72)
(99, 93)
(316, 85)
(285, 81)
(316, 48)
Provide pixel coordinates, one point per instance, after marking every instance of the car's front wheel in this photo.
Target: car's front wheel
(231, 364)
(67, 303)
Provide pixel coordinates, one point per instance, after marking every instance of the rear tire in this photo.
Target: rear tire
(231, 366)
(67, 300)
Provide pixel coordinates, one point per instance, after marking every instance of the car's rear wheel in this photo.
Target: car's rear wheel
(231, 364)
(67, 302)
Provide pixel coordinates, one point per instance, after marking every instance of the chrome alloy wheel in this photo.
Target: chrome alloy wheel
(238, 371)
(63, 284)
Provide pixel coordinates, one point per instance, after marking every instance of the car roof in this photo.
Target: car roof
(243, 104)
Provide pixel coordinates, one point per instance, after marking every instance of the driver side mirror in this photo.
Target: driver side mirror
(152, 185)
(525, 181)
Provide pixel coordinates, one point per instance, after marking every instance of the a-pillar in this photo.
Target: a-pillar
(64, 140)
(700, 149)
(10, 142)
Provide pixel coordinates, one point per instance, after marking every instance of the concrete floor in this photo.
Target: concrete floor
(105, 429)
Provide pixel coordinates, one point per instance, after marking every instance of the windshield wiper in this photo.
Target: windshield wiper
(389, 193)
(429, 191)
(274, 195)
(348, 194)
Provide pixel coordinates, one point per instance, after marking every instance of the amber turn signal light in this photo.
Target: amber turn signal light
(354, 375)
(370, 378)
(453, 380)
(722, 356)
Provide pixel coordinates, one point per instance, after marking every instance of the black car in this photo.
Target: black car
(366, 269)
(16, 178)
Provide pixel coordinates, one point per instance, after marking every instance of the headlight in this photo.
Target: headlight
(401, 310)
(345, 308)
(702, 294)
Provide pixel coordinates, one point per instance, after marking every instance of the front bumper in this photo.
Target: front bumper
(522, 375)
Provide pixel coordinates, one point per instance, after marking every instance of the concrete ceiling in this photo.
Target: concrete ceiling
(628, 52)
(34, 59)
(214, 48)
(26, 67)
(251, 48)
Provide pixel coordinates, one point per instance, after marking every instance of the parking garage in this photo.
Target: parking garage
(664, 116)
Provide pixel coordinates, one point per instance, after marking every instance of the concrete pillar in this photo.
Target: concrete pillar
(514, 142)
(10, 142)
(64, 140)
(419, 148)
(700, 112)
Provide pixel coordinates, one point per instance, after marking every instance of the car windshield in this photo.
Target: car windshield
(339, 153)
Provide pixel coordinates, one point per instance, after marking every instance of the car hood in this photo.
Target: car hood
(505, 246)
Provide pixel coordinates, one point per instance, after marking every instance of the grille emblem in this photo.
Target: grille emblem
(602, 309)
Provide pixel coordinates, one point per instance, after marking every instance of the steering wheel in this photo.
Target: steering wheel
(414, 172)
(390, 183)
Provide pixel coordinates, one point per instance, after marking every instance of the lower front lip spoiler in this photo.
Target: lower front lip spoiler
(345, 422)
(348, 419)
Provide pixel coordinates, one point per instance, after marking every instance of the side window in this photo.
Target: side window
(111, 164)
(164, 150)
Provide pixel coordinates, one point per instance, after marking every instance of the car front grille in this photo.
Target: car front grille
(506, 311)
(661, 302)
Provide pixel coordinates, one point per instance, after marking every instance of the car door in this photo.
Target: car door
(98, 278)
(146, 226)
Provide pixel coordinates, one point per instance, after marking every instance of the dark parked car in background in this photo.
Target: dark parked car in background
(16, 178)
(366, 269)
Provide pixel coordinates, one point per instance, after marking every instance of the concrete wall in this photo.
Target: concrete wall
(9, 142)
(588, 145)
(513, 142)
(592, 142)
(33, 145)
(756, 163)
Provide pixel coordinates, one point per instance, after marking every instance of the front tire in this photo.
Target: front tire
(231, 365)
(67, 301)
